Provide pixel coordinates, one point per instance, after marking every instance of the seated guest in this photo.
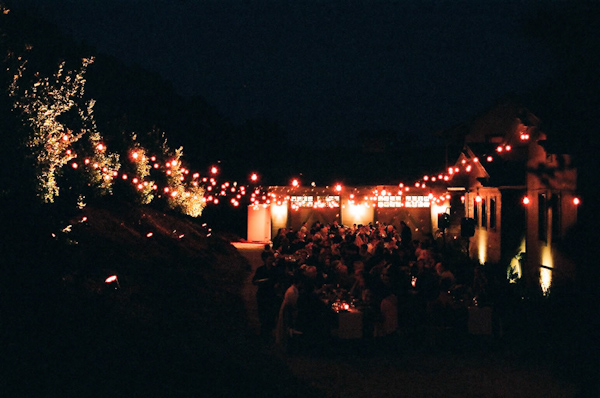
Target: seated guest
(445, 275)
(344, 279)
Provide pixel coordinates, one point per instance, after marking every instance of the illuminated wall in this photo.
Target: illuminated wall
(356, 213)
(259, 224)
(279, 217)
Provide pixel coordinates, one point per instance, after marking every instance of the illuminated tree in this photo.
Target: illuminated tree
(186, 197)
(44, 106)
(102, 164)
(143, 167)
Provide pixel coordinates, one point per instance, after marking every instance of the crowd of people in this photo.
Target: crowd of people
(393, 279)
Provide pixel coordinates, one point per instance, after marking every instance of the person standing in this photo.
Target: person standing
(267, 300)
(405, 234)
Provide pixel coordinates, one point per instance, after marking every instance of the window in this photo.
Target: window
(484, 213)
(542, 217)
(493, 213)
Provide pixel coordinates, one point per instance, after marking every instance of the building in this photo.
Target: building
(294, 206)
(521, 192)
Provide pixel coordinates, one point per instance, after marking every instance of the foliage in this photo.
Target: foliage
(58, 115)
(142, 165)
(189, 199)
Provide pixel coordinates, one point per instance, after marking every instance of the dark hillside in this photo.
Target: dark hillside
(174, 326)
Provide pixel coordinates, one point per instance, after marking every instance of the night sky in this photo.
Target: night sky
(323, 69)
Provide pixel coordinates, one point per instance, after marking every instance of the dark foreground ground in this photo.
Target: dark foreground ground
(524, 362)
(181, 323)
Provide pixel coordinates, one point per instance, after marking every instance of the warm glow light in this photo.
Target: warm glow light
(135, 155)
(468, 168)
(75, 165)
(545, 280)
(254, 177)
(100, 147)
(475, 160)
(295, 183)
(111, 279)
(489, 159)
(576, 201)
(526, 200)
(478, 199)
(499, 149)
(149, 235)
(214, 170)
(338, 187)
(508, 147)
(425, 178)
